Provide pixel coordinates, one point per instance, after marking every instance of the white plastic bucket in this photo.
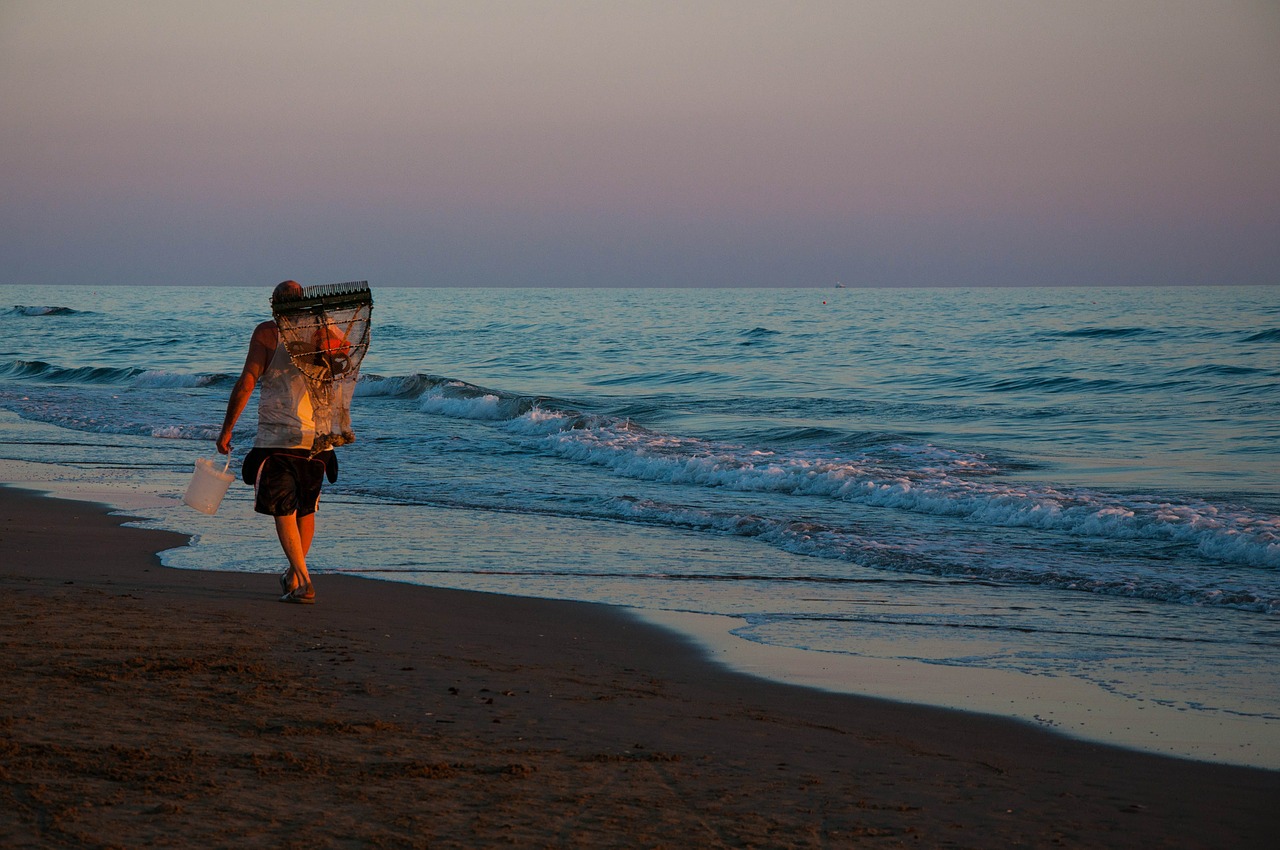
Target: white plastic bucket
(208, 485)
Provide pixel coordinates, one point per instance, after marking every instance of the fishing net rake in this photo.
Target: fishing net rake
(326, 332)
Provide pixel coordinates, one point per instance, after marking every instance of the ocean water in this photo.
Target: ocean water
(1074, 489)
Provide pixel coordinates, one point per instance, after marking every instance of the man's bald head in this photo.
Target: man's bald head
(288, 290)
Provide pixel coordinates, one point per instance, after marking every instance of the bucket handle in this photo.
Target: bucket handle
(227, 465)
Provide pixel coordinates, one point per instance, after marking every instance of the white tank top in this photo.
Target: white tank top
(285, 420)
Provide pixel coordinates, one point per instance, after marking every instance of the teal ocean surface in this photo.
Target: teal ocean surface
(1074, 488)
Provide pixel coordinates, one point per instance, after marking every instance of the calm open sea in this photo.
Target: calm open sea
(1075, 489)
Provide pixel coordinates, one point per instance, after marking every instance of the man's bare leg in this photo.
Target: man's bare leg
(295, 535)
(306, 531)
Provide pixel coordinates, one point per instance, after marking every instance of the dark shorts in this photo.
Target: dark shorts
(288, 483)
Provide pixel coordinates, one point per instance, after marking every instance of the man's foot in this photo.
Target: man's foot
(284, 581)
(303, 595)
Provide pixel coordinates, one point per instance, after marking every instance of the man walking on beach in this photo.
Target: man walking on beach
(286, 478)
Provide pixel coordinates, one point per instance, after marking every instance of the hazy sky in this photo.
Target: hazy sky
(701, 142)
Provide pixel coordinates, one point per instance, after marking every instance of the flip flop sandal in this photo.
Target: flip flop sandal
(300, 595)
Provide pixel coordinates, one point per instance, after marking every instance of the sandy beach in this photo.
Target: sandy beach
(146, 706)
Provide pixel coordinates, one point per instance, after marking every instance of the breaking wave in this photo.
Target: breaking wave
(38, 370)
(917, 477)
(21, 310)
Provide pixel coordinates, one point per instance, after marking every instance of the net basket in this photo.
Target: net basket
(326, 333)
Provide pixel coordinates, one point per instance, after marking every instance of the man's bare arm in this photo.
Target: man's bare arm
(261, 348)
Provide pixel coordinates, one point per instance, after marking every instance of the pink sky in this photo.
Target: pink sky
(640, 143)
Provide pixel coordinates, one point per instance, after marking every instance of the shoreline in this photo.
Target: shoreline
(154, 705)
(1064, 705)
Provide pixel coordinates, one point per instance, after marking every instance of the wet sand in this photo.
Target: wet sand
(145, 706)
